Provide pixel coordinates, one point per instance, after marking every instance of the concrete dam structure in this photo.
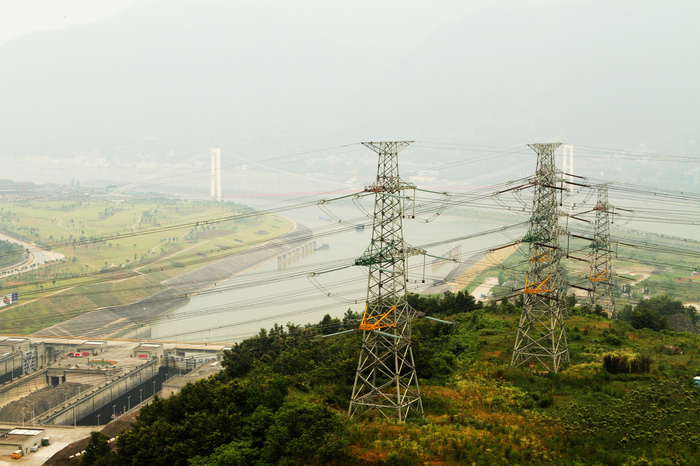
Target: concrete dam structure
(91, 382)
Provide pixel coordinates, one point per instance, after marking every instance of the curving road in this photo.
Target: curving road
(37, 256)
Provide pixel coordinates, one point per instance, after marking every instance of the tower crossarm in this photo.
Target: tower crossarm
(389, 187)
(409, 251)
(370, 257)
(545, 254)
(375, 322)
(387, 147)
(539, 287)
(388, 253)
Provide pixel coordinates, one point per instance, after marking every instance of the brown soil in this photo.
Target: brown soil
(39, 402)
(111, 430)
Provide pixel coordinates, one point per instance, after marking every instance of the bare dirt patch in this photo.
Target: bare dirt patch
(39, 402)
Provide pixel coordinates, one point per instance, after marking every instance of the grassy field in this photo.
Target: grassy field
(118, 252)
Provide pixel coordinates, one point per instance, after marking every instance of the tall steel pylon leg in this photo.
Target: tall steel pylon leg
(541, 335)
(386, 379)
(601, 276)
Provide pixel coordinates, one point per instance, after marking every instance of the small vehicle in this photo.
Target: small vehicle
(17, 454)
(34, 448)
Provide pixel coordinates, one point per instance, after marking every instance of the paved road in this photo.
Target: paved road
(37, 256)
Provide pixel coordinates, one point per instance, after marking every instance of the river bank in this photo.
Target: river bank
(131, 320)
(225, 312)
(490, 259)
(463, 276)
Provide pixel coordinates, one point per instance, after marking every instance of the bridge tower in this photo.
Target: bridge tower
(216, 173)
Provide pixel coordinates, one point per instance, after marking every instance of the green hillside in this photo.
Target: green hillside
(10, 254)
(117, 252)
(626, 398)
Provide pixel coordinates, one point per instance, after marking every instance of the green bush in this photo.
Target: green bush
(614, 364)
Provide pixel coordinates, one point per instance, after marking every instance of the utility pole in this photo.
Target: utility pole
(601, 276)
(541, 335)
(386, 378)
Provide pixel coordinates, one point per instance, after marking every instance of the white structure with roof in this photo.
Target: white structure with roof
(19, 439)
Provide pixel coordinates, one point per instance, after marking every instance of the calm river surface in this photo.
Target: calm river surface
(269, 294)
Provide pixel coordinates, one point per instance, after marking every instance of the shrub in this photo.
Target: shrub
(640, 365)
(614, 364)
(613, 340)
(546, 401)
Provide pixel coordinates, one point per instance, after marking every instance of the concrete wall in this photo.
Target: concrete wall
(83, 376)
(10, 366)
(21, 387)
(21, 358)
(105, 395)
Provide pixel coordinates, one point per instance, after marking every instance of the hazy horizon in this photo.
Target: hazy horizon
(157, 82)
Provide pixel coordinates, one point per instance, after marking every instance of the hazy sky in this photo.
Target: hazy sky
(159, 81)
(22, 17)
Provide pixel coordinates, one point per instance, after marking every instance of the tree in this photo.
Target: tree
(652, 313)
(329, 325)
(306, 433)
(351, 319)
(97, 451)
(626, 313)
(643, 317)
(662, 305)
(236, 453)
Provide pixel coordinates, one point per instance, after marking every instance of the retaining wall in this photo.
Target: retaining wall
(103, 396)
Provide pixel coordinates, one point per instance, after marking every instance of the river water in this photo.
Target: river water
(269, 293)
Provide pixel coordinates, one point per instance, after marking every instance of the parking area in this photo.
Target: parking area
(59, 438)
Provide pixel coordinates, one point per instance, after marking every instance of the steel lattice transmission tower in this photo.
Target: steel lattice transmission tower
(386, 377)
(541, 335)
(601, 276)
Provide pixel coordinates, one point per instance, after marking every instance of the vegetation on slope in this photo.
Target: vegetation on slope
(283, 396)
(10, 254)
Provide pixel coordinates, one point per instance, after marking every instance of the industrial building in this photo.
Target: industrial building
(21, 438)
